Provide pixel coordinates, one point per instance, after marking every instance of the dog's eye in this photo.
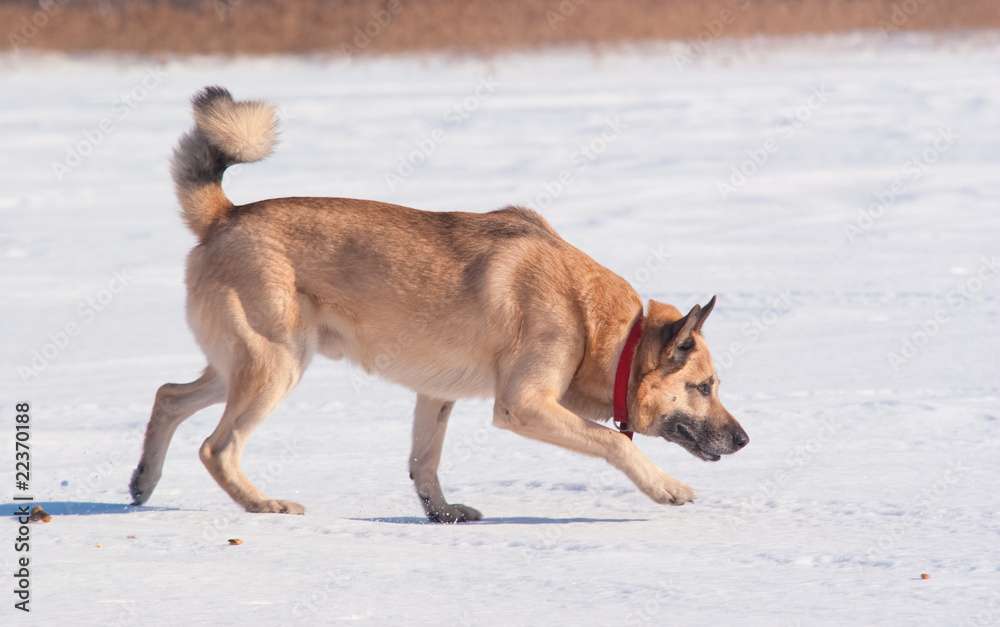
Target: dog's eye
(705, 389)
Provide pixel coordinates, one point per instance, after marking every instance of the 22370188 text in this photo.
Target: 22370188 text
(22, 450)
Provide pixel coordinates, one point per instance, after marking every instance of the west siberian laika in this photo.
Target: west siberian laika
(451, 305)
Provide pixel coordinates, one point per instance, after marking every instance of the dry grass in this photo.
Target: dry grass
(480, 26)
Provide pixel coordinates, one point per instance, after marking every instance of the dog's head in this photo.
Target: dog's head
(675, 391)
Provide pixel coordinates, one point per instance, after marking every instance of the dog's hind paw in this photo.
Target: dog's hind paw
(453, 514)
(272, 506)
(140, 487)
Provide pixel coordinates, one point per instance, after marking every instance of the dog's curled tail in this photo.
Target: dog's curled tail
(226, 132)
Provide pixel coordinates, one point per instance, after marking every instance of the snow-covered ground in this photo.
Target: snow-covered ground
(857, 342)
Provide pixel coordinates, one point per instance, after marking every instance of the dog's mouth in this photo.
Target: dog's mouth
(679, 430)
(696, 446)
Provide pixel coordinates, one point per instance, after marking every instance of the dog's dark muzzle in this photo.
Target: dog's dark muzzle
(702, 438)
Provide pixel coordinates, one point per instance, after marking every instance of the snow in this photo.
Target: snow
(863, 471)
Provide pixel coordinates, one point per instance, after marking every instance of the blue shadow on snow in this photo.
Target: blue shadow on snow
(516, 520)
(74, 508)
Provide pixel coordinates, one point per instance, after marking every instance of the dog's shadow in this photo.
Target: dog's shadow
(514, 520)
(541, 520)
(75, 508)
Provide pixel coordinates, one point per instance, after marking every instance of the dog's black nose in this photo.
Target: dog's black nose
(740, 438)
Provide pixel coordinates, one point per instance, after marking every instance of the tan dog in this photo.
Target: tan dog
(451, 305)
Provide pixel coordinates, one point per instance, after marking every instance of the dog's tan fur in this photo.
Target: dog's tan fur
(452, 305)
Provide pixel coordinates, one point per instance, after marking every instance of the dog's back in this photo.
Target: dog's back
(426, 299)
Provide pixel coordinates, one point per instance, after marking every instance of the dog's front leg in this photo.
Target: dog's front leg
(430, 420)
(542, 418)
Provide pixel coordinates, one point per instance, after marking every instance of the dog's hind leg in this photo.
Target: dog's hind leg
(430, 420)
(265, 375)
(174, 404)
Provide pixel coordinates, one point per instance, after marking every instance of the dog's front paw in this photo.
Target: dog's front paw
(670, 491)
(453, 514)
(272, 506)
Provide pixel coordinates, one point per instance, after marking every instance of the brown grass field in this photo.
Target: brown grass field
(361, 27)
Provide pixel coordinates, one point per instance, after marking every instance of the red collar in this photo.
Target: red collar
(622, 377)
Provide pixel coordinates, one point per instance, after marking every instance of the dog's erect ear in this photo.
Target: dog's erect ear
(707, 309)
(678, 337)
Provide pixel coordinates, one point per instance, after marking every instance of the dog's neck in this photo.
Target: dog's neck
(591, 393)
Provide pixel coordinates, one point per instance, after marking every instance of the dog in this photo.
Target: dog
(452, 305)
